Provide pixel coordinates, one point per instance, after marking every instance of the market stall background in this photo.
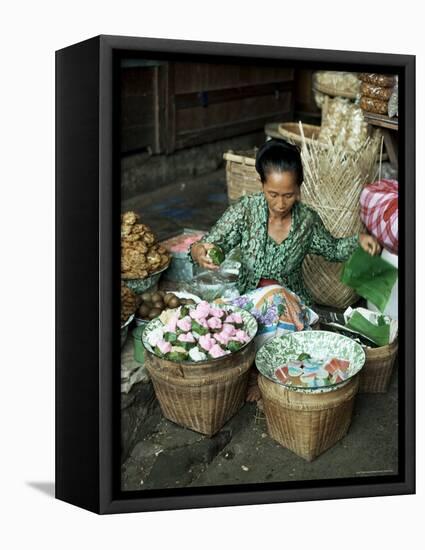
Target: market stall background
(178, 122)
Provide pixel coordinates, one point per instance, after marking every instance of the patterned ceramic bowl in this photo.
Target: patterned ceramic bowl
(250, 326)
(318, 343)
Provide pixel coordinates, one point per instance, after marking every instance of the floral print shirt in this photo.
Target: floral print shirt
(245, 224)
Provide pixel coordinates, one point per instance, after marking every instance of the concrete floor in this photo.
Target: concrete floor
(166, 455)
(194, 204)
(158, 454)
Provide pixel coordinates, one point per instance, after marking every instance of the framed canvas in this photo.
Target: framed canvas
(142, 125)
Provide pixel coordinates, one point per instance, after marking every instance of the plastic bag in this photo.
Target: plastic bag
(210, 285)
(343, 122)
(393, 101)
(370, 276)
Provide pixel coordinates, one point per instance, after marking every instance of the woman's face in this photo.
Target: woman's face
(281, 192)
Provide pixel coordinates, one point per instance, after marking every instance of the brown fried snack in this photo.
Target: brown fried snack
(149, 238)
(141, 255)
(129, 218)
(129, 303)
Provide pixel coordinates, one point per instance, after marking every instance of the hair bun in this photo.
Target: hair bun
(275, 143)
(282, 155)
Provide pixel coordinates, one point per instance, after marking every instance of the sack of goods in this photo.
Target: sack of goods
(379, 212)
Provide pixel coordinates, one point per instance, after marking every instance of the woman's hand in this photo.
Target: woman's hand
(199, 254)
(369, 244)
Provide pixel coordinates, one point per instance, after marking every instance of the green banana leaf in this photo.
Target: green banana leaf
(380, 334)
(370, 276)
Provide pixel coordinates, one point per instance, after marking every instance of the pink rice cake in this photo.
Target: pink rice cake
(338, 376)
(335, 365)
(282, 373)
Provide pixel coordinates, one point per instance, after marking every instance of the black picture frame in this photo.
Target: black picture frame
(88, 278)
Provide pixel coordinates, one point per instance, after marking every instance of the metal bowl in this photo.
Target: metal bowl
(124, 329)
(138, 286)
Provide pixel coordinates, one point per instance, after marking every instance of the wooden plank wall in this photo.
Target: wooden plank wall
(176, 105)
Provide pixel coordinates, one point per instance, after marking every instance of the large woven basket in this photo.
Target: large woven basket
(376, 374)
(333, 182)
(290, 131)
(201, 397)
(241, 176)
(307, 424)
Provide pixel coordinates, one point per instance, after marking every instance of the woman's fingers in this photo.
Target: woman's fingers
(370, 245)
(203, 259)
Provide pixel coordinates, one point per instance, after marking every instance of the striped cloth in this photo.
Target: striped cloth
(379, 212)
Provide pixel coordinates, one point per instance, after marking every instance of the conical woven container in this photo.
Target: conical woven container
(201, 397)
(307, 423)
(376, 374)
(333, 181)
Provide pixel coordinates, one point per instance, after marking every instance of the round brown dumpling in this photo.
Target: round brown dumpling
(156, 296)
(159, 304)
(154, 312)
(173, 302)
(144, 311)
(146, 296)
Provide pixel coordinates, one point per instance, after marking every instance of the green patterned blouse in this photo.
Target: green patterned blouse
(245, 224)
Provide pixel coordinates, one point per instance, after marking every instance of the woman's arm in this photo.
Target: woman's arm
(331, 248)
(226, 233)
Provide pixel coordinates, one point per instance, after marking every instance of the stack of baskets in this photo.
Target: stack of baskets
(241, 175)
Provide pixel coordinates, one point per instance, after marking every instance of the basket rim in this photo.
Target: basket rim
(235, 156)
(298, 137)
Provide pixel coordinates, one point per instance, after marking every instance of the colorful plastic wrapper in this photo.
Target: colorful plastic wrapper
(374, 105)
(375, 92)
(384, 80)
(370, 276)
(313, 372)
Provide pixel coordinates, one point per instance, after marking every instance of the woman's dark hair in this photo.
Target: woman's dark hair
(279, 156)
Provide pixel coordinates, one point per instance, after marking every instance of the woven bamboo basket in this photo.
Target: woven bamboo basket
(241, 176)
(333, 182)
(376, 374)
(290, 131)
(307, 424)
(201, 397)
